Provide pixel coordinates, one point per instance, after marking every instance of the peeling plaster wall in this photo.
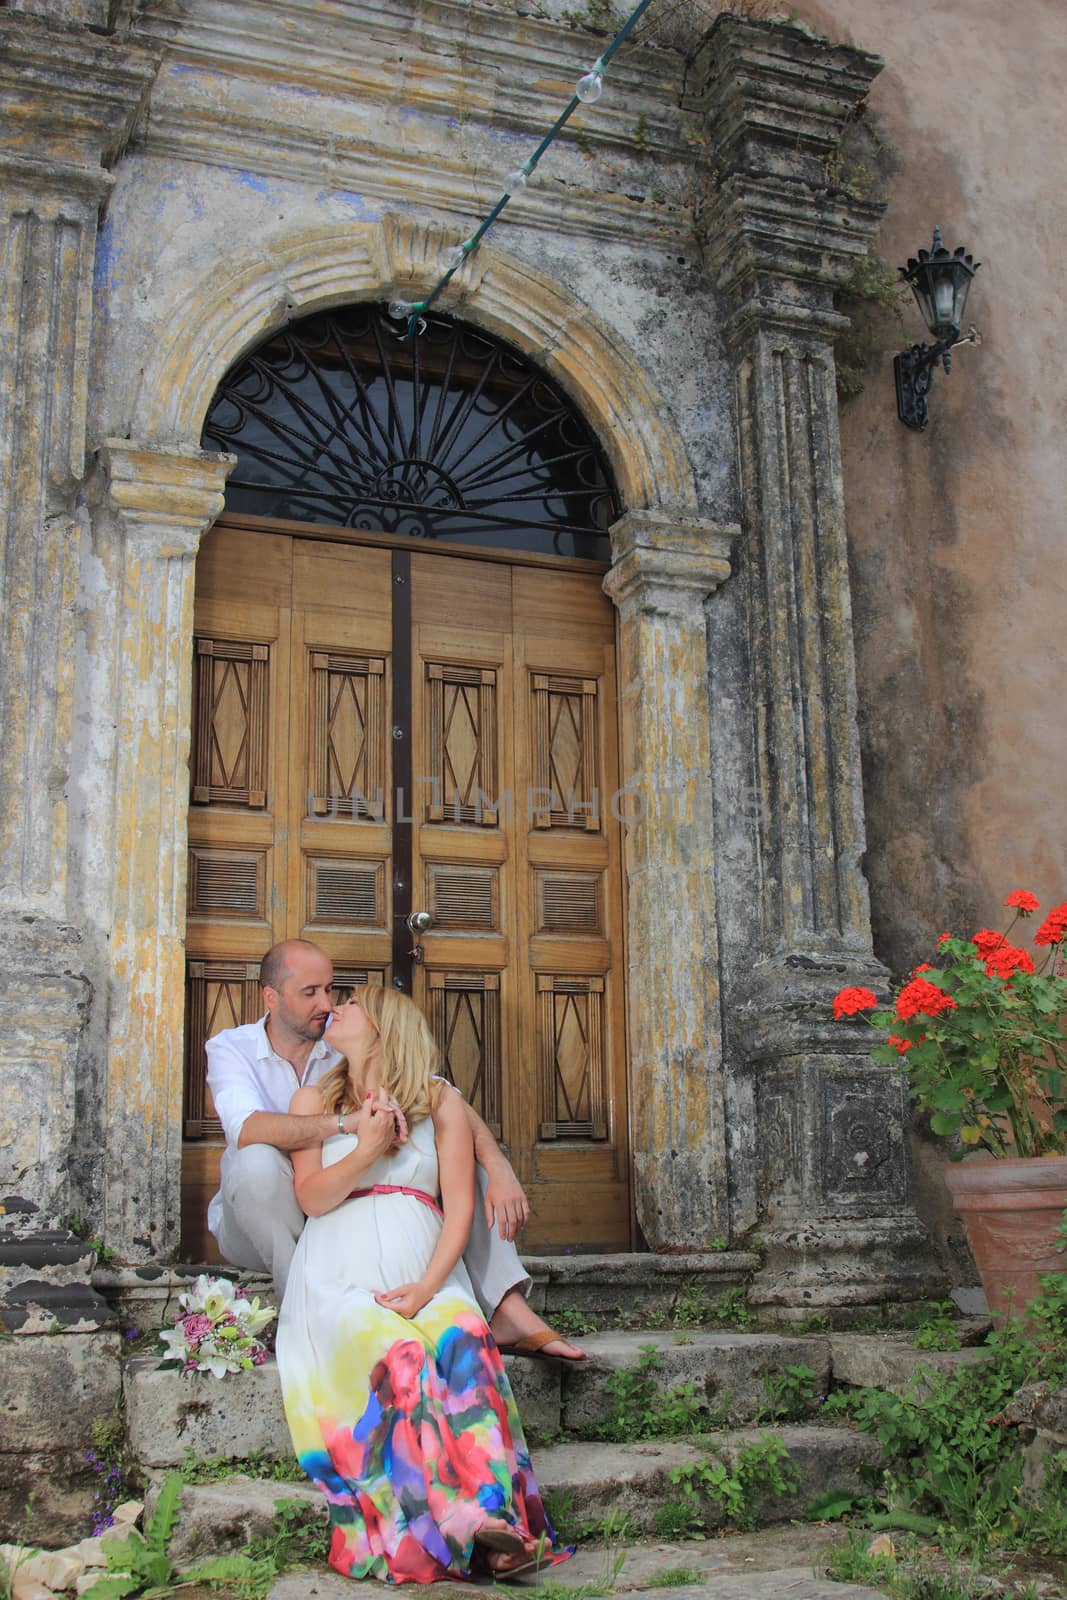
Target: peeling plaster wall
(957, 534)
(959, 577)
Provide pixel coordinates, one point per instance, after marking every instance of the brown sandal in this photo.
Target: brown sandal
(533, 1345)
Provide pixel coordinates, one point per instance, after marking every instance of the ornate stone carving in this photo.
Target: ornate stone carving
(776, 103)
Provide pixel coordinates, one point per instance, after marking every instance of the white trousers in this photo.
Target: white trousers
(261, 1223)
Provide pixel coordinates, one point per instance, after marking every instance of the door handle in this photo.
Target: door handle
(418, 922)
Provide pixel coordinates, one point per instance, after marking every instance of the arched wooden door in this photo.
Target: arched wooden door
(380, 726)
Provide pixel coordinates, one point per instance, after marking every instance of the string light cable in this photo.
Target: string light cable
(587, 92)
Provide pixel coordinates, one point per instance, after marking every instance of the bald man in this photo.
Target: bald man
(253, 1073)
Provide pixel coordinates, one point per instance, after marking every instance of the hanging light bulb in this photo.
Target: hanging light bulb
(591, 87)
(400, 310)
(458, 256)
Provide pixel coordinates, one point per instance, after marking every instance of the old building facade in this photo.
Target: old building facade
(183, 181)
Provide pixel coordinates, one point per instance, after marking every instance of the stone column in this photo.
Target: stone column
(662, 573)
(68, 100)
(148, 529)
(832, 1150)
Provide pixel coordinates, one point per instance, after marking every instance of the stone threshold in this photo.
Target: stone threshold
(626, 1285)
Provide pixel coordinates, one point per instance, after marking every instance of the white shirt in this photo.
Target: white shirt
(246, 1074)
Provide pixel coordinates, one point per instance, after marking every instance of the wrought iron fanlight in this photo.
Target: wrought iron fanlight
(940, 281)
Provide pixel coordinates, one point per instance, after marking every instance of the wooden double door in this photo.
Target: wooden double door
(380, 730)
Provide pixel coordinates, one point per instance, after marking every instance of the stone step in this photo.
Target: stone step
(731, 1376)
(627, 1290)
(587, 1486)
(784, 1561)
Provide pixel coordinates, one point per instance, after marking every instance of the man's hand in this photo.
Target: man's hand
(407, 1300)
(385, 1102)
(505, 1203)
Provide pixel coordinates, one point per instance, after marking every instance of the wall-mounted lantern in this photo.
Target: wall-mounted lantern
(940, 282)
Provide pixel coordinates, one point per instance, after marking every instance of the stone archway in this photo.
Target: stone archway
(163, 492)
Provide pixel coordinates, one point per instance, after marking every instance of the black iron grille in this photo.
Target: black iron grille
(450, 436)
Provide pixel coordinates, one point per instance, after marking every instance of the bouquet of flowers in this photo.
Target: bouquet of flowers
(981, 1036)
(217, 1329)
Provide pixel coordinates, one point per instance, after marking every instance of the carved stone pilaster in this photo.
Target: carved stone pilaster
(67, 103)
(833, 1178)
(158, 504)
(664, 569)
(68, 100)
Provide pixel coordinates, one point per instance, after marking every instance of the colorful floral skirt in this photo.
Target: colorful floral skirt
(411, 1431)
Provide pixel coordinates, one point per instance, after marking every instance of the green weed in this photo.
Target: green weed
(760, 1468)
(214, 1469)
(297, 1537)
(138, 1564)
(731, 1309)
(572, 1323)
(638, 1409)
(675, 1578)
(937, 1330)
(790, 1394)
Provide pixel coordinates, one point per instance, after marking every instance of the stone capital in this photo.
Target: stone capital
(776, 103)
(666, 564)
(776, 98)
(166, 498)
(69, 98)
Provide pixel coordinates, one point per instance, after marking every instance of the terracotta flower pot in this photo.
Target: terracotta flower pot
(1012, 1211)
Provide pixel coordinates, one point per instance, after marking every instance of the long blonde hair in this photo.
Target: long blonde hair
(408, 1054)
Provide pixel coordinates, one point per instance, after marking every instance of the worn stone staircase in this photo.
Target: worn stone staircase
(65, 1373)
(593, 1486)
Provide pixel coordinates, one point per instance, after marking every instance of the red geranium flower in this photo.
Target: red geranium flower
(944, 938)
(849, 1001)
(987, 939)
(1022, 901)
(923, 998)
(1054, 926)
(1006, 959)
(901, 1046)
(926, 967)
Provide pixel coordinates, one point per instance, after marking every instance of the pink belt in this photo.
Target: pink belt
(397, 1188)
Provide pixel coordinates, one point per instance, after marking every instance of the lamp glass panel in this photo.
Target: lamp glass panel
(944, 297)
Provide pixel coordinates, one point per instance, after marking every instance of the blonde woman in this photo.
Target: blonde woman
(394, 1391)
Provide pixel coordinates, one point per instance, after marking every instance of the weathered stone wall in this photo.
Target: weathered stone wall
(279, 162)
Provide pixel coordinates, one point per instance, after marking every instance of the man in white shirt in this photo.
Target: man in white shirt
(253, 1073)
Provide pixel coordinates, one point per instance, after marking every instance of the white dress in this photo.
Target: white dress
(409, 1427)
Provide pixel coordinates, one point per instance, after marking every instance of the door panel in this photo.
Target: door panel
(297, 828)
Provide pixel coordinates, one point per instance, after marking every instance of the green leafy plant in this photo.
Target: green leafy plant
(951, 1460)
(138, 1564)
(573, 1323)
(813, 1322)
(675, 1578)
(790, 1393)
(215, 1469)
(690, 1309)
(638, 1409)
(833, 1504)
(981, 1037)
(731, 1309)
(297, 1537)
(762, 1467)
(937, 1330)
(105, 1256)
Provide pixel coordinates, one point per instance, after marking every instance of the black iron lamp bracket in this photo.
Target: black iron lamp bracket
(914, 371)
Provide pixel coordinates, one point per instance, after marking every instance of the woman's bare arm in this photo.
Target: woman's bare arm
(318, 1188)
(455, 1158)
